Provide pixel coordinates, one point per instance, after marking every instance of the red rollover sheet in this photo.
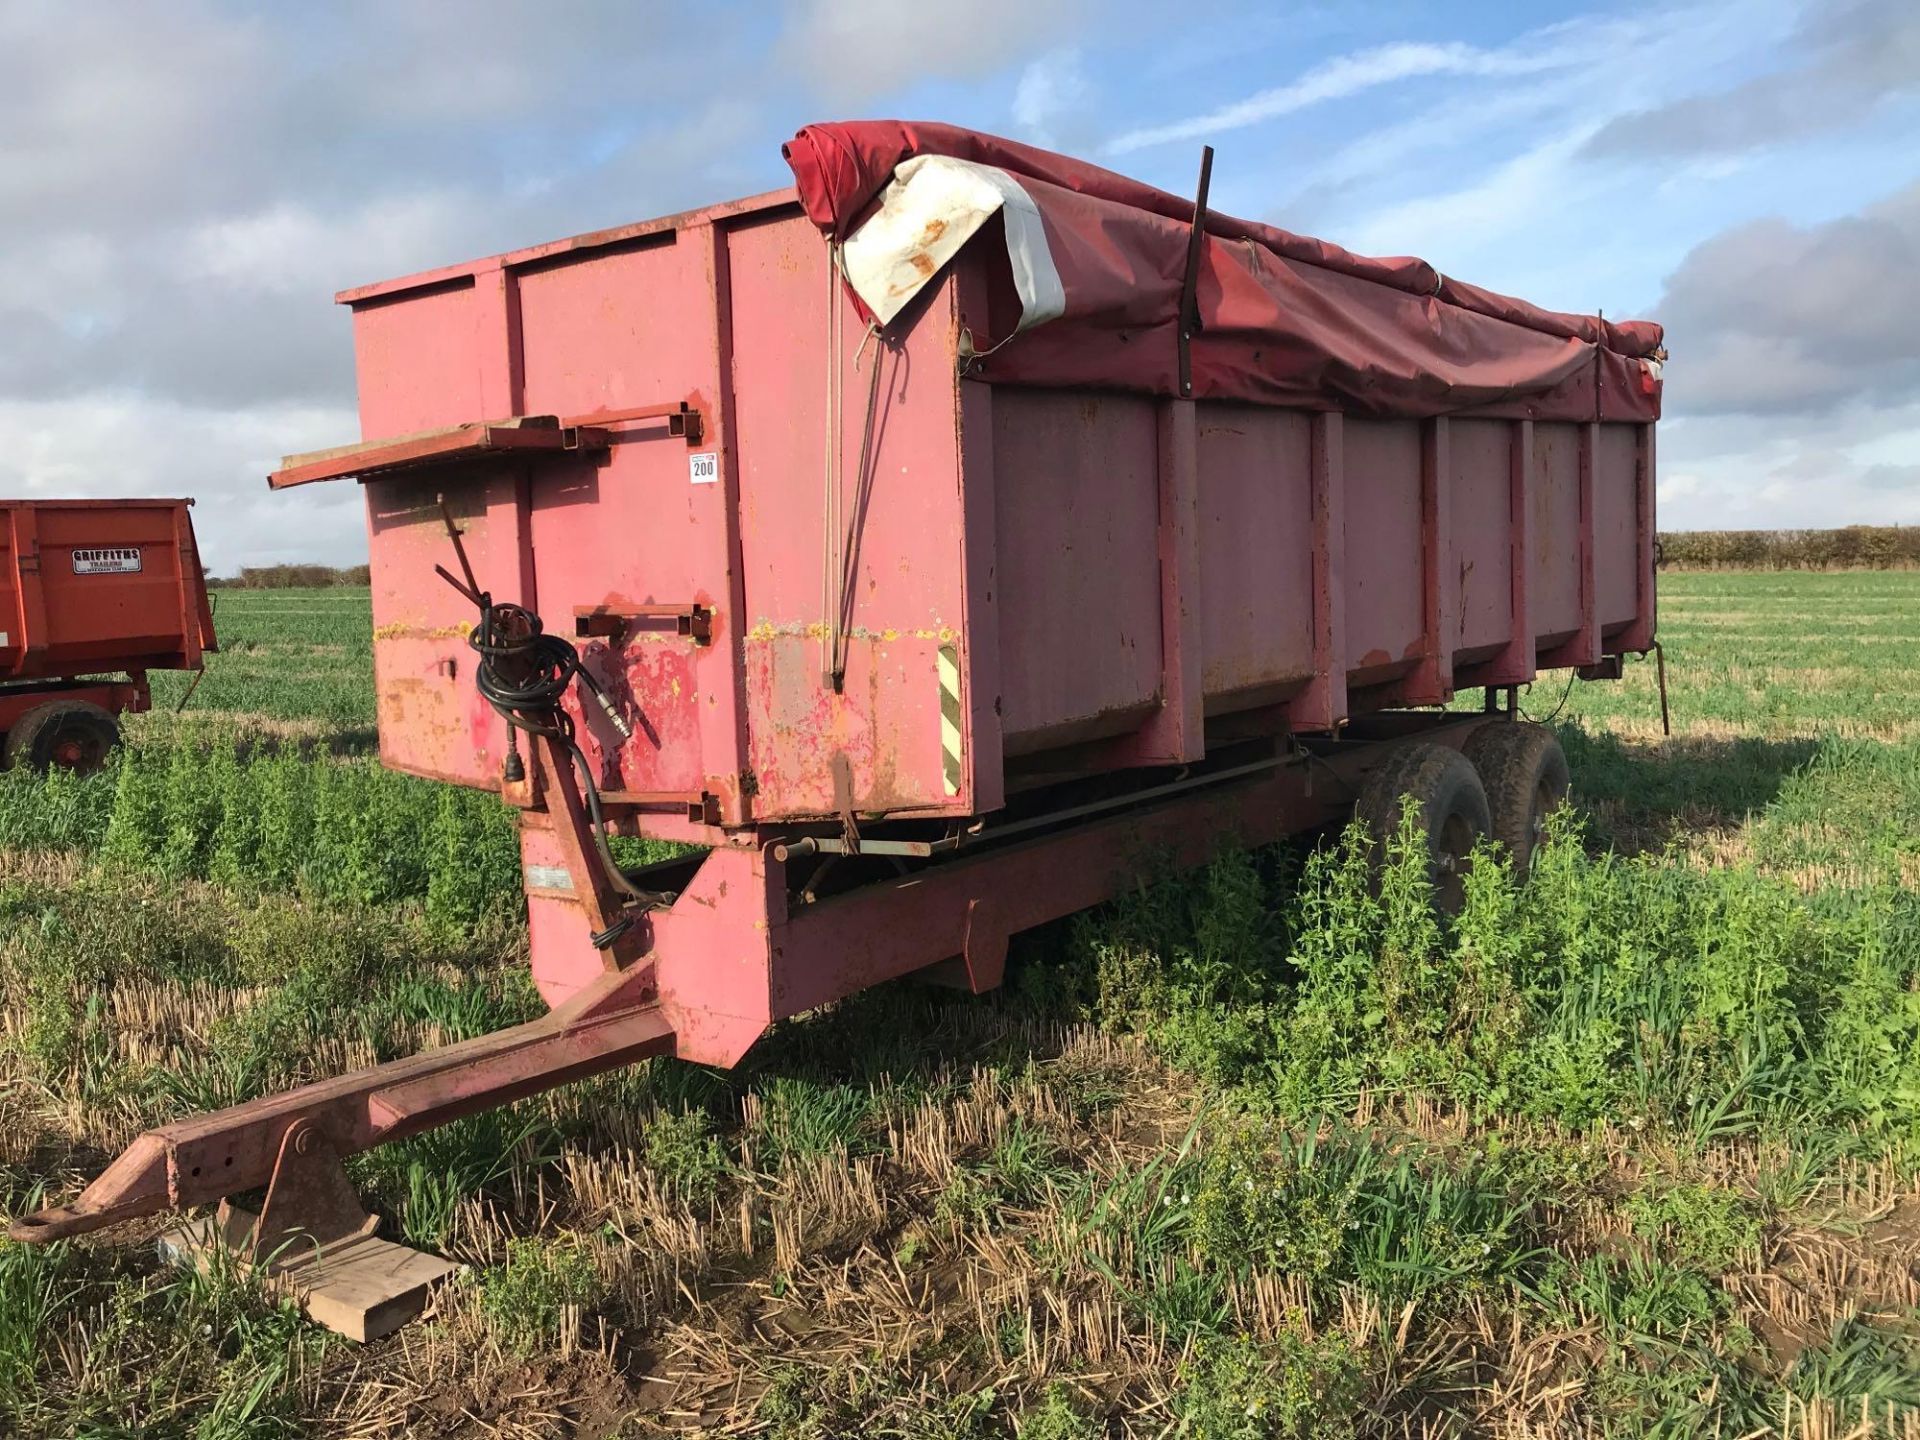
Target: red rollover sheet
(1096, 262)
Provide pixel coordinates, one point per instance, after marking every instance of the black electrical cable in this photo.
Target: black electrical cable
(523, 673)
(1555, 714)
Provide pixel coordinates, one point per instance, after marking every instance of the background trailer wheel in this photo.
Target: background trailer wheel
(76, 735)
(1524, 772)
(1452, 811)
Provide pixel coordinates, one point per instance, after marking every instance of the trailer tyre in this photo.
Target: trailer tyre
(1525, 774)
(73, 734)
(1452, 813)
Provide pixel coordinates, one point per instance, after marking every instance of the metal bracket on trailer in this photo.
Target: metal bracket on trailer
(614, 622)
(1607, 667)
(1190, 282)
(309, 1199)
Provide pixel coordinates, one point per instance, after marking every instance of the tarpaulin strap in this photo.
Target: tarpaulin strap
(968, 359)
(830, 499)
(862, 479)
(836, 541)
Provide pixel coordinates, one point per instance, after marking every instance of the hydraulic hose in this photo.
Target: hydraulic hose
(523, 674)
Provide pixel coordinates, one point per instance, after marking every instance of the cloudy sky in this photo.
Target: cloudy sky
(184, 185)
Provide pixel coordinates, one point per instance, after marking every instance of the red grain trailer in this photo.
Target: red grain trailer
(91, 589)
(936, 544)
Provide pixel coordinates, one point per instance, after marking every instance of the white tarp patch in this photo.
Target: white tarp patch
(934, 205)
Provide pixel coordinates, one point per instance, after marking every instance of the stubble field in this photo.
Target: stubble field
(1257, 1152)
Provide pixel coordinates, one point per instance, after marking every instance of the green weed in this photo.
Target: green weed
(1722, 952)
(791, 1408)
(1635, 1299)
(191, 807)
(1710, 1004)
(58, 810)
(1336, 1208)
(803, 1404)
(1017, 1170)
(1696, 1226)
(192, 1353)
(1292, 1388)
(1057, 1417)
(35, 1285)
(801, 1119)
(1859, 1363)
(541, 1290)
(682, 1149)
(427, 1176)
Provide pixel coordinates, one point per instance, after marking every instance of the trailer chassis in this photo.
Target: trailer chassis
(745, 942)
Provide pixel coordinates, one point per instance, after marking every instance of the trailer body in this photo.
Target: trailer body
(930, 620)
(1040, 583)
(1099, 578)
(89, 588)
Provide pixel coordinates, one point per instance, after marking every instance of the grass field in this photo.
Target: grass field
(1260, 1152)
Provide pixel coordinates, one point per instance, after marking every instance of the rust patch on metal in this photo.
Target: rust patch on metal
(803, 733)
(653, 684)
(400, 631)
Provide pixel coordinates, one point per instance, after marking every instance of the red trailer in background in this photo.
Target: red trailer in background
(941, 546)
(93, 595)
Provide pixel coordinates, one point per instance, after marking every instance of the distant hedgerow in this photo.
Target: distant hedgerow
(1847, 547)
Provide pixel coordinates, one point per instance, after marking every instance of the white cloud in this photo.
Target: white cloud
(183, 188)
(1845, 60)
(1566, 47)
(1683, 178)
(1787, 471)
(1644, 56)
(1457, 221)
(132, 444)
(853, 50)
(1494, 179)
(1773, 317)
(98, 103)
(1895, 447)
(1052, 89)
(281, 249)
(1335, 79)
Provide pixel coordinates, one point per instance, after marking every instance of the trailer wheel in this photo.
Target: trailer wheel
(76, 735)
(1452, 812)
(1525, 774)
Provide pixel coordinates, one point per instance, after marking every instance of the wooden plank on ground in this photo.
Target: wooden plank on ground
(361, 1288)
